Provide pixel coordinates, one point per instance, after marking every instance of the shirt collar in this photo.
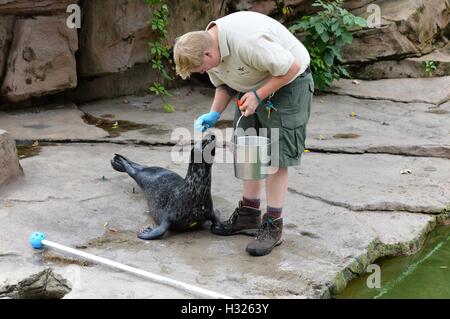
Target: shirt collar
(223, 45)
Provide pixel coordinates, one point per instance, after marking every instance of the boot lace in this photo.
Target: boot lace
(264, 232)
(233, 217)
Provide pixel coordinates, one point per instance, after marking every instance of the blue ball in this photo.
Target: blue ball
(36, 240)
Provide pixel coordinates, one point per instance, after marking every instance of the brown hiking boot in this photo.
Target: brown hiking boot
(268, 236)
(244, 220)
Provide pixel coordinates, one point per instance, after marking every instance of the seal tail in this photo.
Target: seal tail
(122, 164)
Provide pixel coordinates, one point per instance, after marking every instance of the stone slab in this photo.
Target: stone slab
(56, 122)
(423, 90)
(80, 208)
(374, 182)
(352, 125)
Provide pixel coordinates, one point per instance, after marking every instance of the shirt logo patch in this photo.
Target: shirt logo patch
(242, 70)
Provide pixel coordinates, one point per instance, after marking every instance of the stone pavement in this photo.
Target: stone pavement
(348, 203)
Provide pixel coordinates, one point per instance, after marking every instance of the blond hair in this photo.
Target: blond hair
(188, 51)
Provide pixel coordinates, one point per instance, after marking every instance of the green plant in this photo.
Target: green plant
(160, 51)
(327, 33)
(430, 67)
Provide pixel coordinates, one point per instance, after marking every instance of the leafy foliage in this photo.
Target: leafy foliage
(160, 51)
(327, 33)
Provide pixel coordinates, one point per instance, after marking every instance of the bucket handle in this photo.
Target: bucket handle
(239, 103)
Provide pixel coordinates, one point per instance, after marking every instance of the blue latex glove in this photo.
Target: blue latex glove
(206, 121)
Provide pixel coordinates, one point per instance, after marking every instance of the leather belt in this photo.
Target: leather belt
(306, 72)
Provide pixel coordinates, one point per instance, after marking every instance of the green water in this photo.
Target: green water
(423, 275)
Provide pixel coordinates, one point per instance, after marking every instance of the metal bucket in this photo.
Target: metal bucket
(251, 156)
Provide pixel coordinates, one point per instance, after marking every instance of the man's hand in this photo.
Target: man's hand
(248, 104)
(206, 121)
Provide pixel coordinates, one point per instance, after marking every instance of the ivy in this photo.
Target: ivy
(160, 55)
(327, 33)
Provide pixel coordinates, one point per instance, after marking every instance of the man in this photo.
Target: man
(255, 55)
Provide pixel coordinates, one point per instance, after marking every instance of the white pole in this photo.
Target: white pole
(160, 279)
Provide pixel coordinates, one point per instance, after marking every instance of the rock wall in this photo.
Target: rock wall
(411, 32)
(113, 58)
(33, 7)
(41, 58)
(9, 161)
(37, 49)
(108, 56)
(114, 37)
(299, 7)
(6, 26)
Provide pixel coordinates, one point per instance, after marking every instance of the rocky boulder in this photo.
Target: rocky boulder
(9, 161)
(195, 15)
(355, 4)
(413, 19)
(6, 26)
(299, 7)
(417, 19)
(33, 6)
(135, 80)
(408, 28)
(41, 59)
(406, 68)
(115, 35)
(384, 42)
(440, 12)
(37, 49)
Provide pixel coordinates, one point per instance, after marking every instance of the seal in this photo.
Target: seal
(174, 202)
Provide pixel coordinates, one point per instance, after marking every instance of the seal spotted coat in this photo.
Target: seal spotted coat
(174, 202)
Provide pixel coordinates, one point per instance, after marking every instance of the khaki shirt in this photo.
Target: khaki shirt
(254, 47)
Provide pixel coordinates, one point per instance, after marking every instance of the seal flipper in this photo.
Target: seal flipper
(122, 164)
(150, 233)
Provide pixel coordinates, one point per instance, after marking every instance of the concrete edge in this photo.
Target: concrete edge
(377, 250)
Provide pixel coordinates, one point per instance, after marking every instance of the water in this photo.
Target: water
(28, 150)
(115, 128)
(423, 275)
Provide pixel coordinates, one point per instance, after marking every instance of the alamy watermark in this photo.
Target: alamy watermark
(374, 280)
(229, 146)
(74, 19)
(374, 20)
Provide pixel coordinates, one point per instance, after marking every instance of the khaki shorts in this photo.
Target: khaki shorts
(293, 104)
